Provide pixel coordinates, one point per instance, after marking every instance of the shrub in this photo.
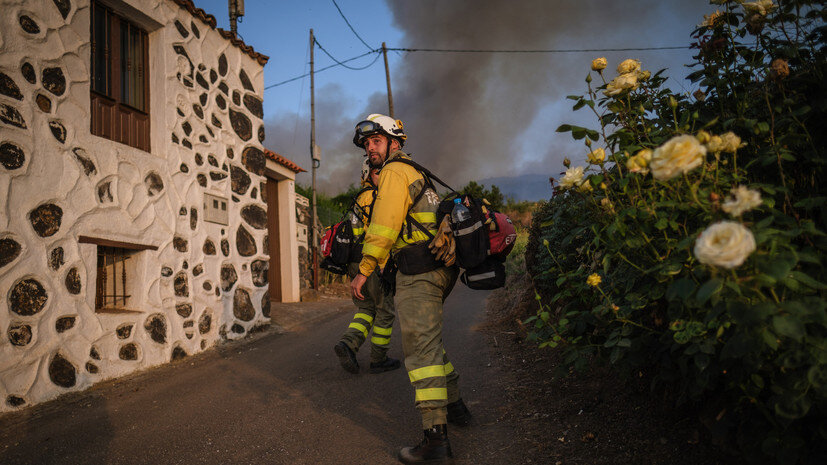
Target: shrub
(691, 245)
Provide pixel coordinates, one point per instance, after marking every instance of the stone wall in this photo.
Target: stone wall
(305, 256)
(58, 182)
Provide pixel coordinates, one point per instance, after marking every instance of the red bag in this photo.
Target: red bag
(327, 240)
(501, 235)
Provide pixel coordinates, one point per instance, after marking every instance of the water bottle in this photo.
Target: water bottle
(460, 212)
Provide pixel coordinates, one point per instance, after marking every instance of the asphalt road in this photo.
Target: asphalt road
(278, 398)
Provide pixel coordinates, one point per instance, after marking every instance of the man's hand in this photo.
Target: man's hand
(356, 286)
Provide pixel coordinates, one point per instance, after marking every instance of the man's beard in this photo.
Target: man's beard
(378, 162)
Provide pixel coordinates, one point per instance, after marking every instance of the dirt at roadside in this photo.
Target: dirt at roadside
(584, 418)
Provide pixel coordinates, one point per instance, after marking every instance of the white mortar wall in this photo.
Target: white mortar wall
(114, 202)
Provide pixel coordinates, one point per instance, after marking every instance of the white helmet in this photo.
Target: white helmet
(379, 124)
(365, 171)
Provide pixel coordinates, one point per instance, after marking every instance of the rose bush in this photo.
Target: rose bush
(692, 250)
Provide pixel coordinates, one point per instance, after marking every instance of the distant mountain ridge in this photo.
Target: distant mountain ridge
(531, 187)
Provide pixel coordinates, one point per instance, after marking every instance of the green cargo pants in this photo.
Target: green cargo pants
(375, 311)
(419, 301)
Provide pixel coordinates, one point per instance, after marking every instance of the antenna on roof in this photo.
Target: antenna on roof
(236, 11)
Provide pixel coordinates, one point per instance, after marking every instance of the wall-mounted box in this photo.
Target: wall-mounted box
(215, 209)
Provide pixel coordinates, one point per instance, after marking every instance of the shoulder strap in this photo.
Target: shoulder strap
(426, 173)
(355, 205)
(422, 170)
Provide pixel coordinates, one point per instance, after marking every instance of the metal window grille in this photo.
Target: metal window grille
(112, 290)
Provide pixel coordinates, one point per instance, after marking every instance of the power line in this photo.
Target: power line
(446, 50)
(350, 26)
(346, 66)
(321, 69)
(571, 50)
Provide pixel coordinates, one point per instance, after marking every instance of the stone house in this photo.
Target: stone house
(142, 220)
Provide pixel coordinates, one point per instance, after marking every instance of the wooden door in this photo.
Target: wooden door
(274, 239)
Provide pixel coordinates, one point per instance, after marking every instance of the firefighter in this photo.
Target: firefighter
(376, 310)
(403, 221)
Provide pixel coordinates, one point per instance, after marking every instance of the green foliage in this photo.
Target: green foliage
(344, 199)
(493, 195)
(330, 209)
(523, 206)
(515, 263)
(750, 332)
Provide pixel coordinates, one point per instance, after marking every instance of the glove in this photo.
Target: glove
(443, 245)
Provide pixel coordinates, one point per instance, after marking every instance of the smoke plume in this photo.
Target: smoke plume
(471, 116)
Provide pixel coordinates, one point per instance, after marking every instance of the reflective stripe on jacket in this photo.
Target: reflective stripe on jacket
(360, 215)
(399, 184)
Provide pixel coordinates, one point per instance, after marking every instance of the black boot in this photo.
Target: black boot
(385, 365)
(434, 448)
(458, 413)
(346, 357)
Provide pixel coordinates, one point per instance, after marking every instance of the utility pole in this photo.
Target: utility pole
(236, 11)
(316, 162)
(388, 79)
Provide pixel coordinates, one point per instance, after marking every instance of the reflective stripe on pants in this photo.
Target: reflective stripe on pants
(419, 301)
(376, 312)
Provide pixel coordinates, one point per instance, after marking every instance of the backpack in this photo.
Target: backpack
(501, 235)
(481, 247)
(339, 246)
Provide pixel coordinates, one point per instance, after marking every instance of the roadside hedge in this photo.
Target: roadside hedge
(691, 246)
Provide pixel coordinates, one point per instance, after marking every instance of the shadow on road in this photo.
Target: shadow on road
(278, 398)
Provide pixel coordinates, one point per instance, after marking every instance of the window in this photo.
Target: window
(120, 87)
(113, 278)
(119, 265)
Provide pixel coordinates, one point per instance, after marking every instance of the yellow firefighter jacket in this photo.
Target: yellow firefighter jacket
(360, 215)
(389, 230)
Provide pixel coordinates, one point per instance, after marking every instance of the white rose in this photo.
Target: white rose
(715, 144)
(678, 155)
(730, 141)
(743, 200)
(725, 244)
(761, 7)
(621, 83)
(572, 178)
(628, 66)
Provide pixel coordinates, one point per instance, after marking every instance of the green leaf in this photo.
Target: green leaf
(624, 343)
(564, 128)
(811, 202)
(780, 266)
(769, 339)
(708, 289)
(757, 380)
(680, 289)
(806, 280)
(681, 337)
(788, 326)
(701, 361)
(792, 406)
